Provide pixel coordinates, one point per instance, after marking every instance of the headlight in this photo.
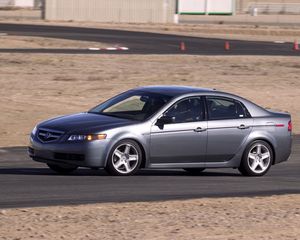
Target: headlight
(89, 137)
(33, 132)
(77, 138)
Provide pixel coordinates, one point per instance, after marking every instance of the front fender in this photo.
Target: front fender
(142, 139)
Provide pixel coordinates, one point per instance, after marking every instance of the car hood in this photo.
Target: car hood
(84, 122)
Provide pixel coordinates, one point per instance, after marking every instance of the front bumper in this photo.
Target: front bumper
(82, 154)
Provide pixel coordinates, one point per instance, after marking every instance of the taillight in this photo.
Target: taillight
(290, 126)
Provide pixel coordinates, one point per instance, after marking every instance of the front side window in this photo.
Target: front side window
(187, 110)
(134, 105)
(223, 108)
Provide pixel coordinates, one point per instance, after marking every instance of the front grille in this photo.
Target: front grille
(47, 135)
(69, 156)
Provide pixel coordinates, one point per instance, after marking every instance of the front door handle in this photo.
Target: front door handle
(199, 129)
(242, 126)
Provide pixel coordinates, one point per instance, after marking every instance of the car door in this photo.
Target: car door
(229, 124)
(184, 139)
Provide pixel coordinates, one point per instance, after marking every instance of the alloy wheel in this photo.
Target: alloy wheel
(259, 158)
(125, 158)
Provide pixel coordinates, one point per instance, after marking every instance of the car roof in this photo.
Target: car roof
(178, 91)
(174, 90)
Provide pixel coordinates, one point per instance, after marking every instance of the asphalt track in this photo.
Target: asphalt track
(141, 42)
(24, 183)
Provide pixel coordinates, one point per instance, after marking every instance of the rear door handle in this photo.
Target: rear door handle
(199, 129)
(242, 126)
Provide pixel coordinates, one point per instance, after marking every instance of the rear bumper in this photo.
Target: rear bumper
(283, 149)
(82, 154)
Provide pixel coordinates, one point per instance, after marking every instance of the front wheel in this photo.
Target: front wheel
(62, 169)
(124, 159)
(257, 159)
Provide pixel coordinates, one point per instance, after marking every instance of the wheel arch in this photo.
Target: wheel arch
(144, 156)
(265, 140)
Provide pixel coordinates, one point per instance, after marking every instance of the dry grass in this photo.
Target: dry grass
(39, 86)
(7, 41)
(269, 218)
(36, 87)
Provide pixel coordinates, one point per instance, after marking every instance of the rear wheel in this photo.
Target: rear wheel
(257, 159)
(62, 169)
(124, 159)
(194, 171)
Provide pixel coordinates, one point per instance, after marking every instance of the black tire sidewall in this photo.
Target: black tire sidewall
(109, 166)
(244, 166)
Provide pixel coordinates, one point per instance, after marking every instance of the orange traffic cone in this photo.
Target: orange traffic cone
(182, 46)
(227, 46)
(296, 46)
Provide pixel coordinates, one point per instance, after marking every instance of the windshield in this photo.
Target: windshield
(134, 105)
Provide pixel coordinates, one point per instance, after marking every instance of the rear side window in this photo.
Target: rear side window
(225, 108)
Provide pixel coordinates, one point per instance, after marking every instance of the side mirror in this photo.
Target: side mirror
(165, 120)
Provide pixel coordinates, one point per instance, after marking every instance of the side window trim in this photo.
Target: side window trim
(202, 99)
(245, 110)
(247, 113)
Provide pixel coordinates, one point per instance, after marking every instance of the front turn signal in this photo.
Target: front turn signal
(92, 137)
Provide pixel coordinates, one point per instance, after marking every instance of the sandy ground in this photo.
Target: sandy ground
(276, 217)
(35, 87)
(7, 41)
(38, 86)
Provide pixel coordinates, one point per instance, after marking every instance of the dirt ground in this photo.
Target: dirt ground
(35, 87)
(272, 218)
(7, 41)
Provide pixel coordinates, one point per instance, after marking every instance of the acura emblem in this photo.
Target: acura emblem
(48, 135)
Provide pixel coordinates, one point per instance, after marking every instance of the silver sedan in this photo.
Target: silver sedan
(166, 127)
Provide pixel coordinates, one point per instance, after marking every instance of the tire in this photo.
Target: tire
(124, 159)
(62, 169)
(194, 171)
(257, 162)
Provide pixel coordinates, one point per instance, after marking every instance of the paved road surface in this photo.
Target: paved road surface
(25, 183)
(141, 42)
